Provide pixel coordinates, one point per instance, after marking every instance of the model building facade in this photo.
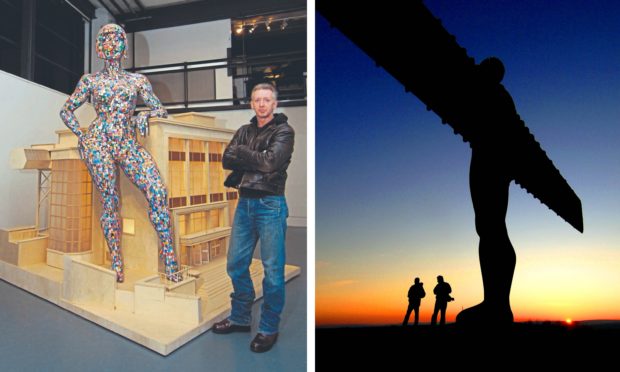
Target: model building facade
(188, 150)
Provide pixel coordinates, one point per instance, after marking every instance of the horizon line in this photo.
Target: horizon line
(573, 322)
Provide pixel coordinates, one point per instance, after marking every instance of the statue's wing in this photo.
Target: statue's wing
(440, 73)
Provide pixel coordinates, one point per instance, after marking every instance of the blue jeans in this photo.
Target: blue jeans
(261, 219)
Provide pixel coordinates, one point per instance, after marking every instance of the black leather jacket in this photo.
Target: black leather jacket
(259, 157)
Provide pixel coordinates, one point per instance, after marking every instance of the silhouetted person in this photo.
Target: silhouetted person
(442, 297)
(416, 294)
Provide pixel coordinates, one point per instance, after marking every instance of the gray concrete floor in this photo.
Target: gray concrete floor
(36, 335)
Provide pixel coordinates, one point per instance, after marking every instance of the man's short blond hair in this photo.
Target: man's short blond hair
(265, 86)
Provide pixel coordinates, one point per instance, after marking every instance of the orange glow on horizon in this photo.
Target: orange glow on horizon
(546, 287)
(368, 312)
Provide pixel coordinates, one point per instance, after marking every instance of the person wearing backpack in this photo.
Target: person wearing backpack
(416, 294)
(442, 297)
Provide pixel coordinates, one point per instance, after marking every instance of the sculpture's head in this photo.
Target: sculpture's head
(416, 280)
(439, 279)
(492, 70)
(111, 42)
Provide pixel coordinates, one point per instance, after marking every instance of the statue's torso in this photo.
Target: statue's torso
(114, 98)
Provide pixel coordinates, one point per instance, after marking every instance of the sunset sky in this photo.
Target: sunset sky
(392, 193)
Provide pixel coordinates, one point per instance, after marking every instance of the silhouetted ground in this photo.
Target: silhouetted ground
(522, 345)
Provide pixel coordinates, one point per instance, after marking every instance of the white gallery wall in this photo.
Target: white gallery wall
(189, 43)
(30, 115)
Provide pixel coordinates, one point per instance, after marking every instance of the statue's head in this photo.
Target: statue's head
(416, 280)
(111, 42)
(492, 69)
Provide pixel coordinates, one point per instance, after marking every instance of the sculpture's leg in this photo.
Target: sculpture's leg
(103, 172)
(489, 184)
(140, 168)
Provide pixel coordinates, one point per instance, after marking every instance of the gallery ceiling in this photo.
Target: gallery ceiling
(140, 15)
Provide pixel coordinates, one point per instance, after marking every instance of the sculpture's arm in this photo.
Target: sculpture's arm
(77, 99)
(156, 109)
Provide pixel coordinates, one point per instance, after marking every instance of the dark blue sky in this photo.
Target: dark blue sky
(392, 194)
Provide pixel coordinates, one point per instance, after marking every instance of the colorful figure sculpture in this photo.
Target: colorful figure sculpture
(110, 142)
